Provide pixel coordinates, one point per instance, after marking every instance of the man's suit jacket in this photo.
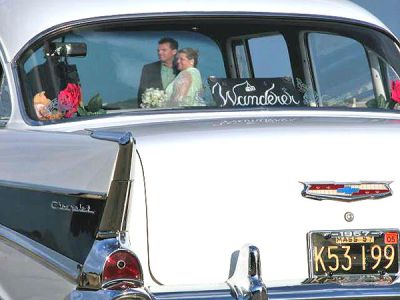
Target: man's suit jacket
(151, 78)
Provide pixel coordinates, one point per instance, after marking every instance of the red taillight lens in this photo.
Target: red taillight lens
(122, 265)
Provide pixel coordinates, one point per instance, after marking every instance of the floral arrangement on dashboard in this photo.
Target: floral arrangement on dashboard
(381, 102)
(395, 87)
(68, 104)
(153, 98)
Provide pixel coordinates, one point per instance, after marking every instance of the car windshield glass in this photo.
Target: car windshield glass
(94, 71)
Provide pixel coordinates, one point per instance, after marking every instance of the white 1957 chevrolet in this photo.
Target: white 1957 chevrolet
(171, 150)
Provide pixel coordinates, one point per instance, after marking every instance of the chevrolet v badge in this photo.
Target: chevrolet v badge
(346, 192)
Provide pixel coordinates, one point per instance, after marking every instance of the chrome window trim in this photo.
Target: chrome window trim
(8, 77)
(63, 27)
(3, 122)
(53, 190)
(61, 264)
(307, 66)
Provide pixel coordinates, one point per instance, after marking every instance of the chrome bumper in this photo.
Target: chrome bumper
(143, 294)
(138, 293)
(245, 283)
(303, 292)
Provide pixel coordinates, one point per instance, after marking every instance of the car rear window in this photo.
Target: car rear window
(101, 70)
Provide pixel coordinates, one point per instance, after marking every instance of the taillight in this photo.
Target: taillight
(122, 286)
(122, 266)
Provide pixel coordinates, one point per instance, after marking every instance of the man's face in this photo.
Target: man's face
(165, 53)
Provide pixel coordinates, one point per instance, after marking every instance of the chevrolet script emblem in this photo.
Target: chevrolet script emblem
(346, 191)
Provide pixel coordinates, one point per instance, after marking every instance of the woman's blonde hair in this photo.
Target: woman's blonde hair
(191, 54)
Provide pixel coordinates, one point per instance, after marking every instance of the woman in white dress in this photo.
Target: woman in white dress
(187, 87)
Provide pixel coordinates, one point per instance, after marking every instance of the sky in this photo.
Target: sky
(386, 10)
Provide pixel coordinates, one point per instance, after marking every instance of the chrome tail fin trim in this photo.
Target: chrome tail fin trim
(114, 216)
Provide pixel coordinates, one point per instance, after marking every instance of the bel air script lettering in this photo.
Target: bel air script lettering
(270, 97)
(57, 205)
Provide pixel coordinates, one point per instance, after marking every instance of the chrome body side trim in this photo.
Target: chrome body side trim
(53, 190)
(61, 264)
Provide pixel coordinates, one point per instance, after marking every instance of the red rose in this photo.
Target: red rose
(395, 90)
(69, 100)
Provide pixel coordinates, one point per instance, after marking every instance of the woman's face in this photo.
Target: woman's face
(183, 62)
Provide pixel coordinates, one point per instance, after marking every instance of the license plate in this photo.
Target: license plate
(349, 252)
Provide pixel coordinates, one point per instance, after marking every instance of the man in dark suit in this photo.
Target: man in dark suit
(162, 72)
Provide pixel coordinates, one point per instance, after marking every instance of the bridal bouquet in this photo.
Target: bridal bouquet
(153, 98)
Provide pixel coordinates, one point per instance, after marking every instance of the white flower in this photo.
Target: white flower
(153, 98)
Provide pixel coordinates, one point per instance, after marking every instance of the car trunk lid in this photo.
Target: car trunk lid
(213, 186)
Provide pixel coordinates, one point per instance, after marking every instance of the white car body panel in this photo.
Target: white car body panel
(204, 183)
(197, 221)
(43, 161)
